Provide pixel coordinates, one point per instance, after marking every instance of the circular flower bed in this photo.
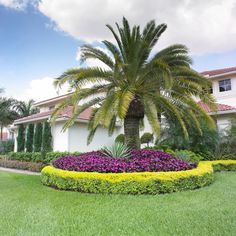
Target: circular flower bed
(140, 161)
(135, 183)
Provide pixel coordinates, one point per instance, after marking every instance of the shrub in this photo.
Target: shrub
(50, 156)
(20, 156)
(23, 165)
(21, 138)
(38, 156)
(220, 153)
(120, 138)
(38, 137)
(198, 143)
(147, 138)
(117, 150)
(134, 183)
(140, 161)
(29, 138)
(187, 156)
(6, 146)
(47, 138)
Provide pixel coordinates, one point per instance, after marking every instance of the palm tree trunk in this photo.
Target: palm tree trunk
(131, 123)
(131, 130)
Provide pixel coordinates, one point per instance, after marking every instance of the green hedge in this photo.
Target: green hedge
(134, 183)
(38, 156)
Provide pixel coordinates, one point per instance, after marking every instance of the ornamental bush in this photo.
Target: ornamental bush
(50, 156)
(29, 138)
(140, 161)
(38, 137)
(6, 146)
(22, 165)
(21, 138)
(47, 138)
(187, 155)
(38, 156)
(120, 138)
(135, 183)
(146, 138)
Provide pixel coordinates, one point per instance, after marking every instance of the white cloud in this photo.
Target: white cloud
(15, 4)
(40, 89)
(204, 26)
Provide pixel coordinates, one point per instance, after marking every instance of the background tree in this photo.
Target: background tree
(21, 138)
(137, 83)
(47, 138)
(203, 143)
(29, 138)
(38, 137)
(7, 113)
(147, 138)
(25, 108)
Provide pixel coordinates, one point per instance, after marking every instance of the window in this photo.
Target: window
(225, 85)
(51, 108)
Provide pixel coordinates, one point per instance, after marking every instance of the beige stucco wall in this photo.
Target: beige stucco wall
(75, 138)
(78, 134)
(227, 97)
(224, 122)
(60, 138)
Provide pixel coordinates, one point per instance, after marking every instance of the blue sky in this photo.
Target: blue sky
(31, 49)
(36, 46)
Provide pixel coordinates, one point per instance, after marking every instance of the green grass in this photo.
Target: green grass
(28, 208)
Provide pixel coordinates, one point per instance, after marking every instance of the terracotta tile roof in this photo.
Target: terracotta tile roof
(220, 107)
(219, 71)
(66, 113)
(85, 115)
(53, 99)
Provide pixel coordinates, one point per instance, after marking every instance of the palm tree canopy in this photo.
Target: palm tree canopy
(7, 112)
(25, 108)
(137, 82)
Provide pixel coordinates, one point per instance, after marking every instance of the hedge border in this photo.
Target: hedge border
(137, 182)
(22, 165)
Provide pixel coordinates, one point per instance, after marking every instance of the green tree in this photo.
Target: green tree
(38, 137)
(29, 138)
(25, 108)
(137, 82)
(21, 138)
(147, 138)
(7, 113)
(202, 143)
(47, 138)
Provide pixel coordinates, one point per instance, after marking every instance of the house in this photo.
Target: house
(224, 90)
(6, 134)
(75, 137)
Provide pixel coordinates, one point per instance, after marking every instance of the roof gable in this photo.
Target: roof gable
(219, 72)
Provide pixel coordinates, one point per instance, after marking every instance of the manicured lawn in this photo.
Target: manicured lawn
(28, 208)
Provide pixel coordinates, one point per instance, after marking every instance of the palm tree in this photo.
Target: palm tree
(25, 108)
(138, 83)
(7, 113)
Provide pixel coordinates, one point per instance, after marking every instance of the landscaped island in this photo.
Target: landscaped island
(144, 172)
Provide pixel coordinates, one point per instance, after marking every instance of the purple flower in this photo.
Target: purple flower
(140, 161)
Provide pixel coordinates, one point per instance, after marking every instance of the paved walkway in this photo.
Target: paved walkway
(27, 172)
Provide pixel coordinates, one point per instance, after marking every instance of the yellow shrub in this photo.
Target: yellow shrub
(136, 182)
